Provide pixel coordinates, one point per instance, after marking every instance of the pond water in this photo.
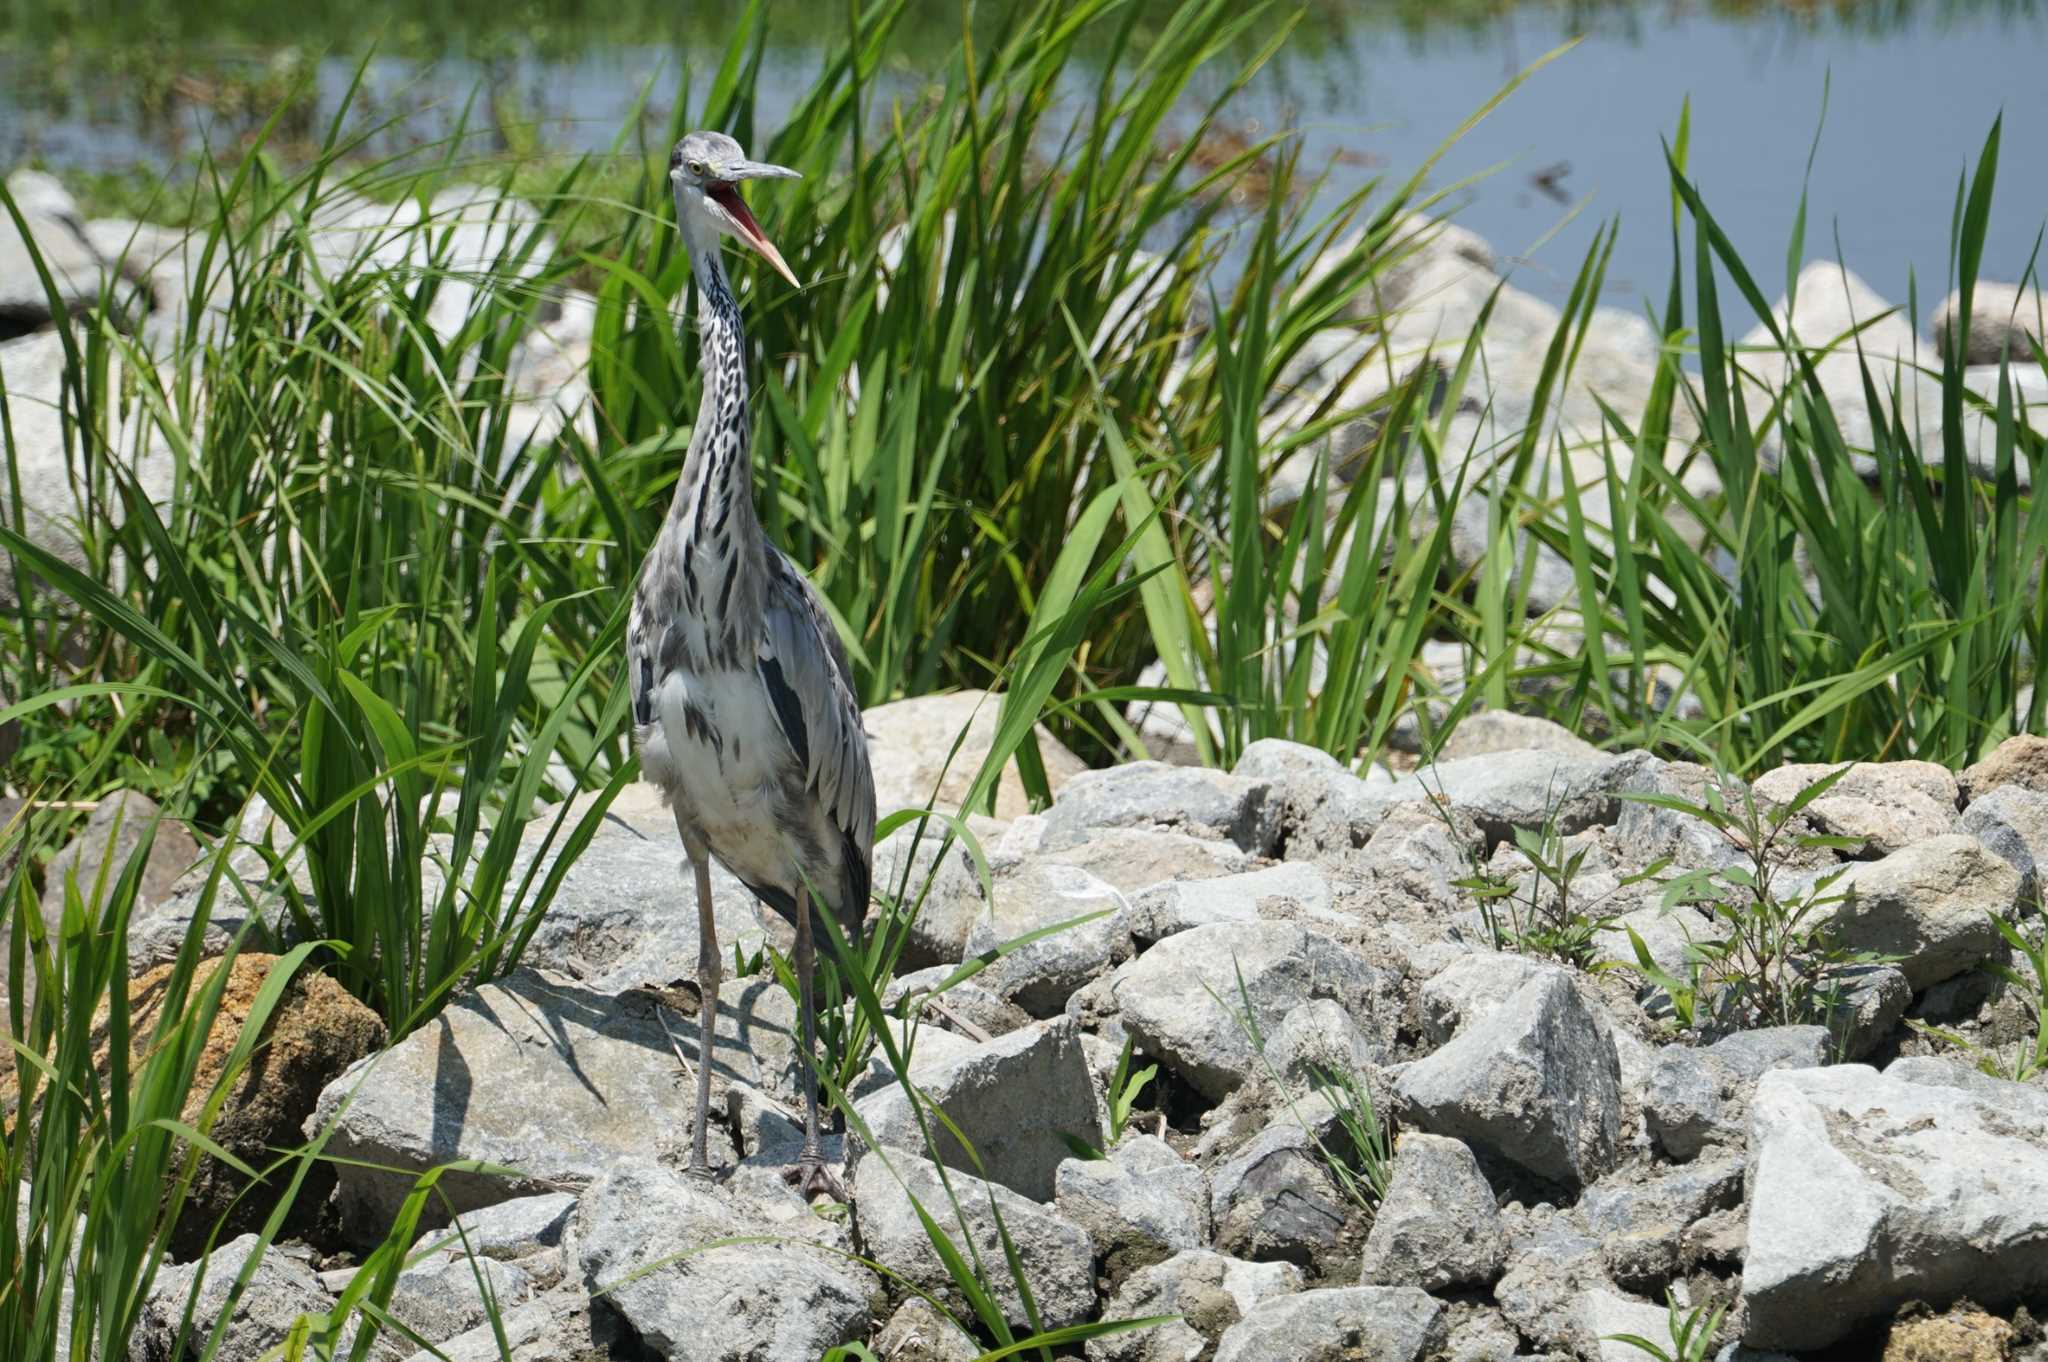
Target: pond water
(1912, 90)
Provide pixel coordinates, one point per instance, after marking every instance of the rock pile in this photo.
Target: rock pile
(1284, 943)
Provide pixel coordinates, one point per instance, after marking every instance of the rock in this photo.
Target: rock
(1536, 1082)
(534, 1073)
(1930, 905)
(1319, 1042)
(1437, 1227)
(53, 227)
(1040, 975)
(561, 1324)
(1178, 905)
(1653, 832)
(1551, 1261)
(625, 915)
(1474, 986)
(1642, 1225)
(1869, 1003)
(944, 885)
(911, 747)
(1961, 1335)
(645, 1238)
(1683, 1106)
(2021, 761)
(508, 1231)
(1236, 809)
(1208, 1291)
(966, 1002)
(1142, 1204)
(1338, 1324)
(33, 394)
(1483, 1338)
(1058, 1256)
(1604, 1314)
(1503, 791)
(281, 1289)
(1870, 1190)
(917, 1332)
(1275, 1200)
(1883, 805)
(444, 1298)
(2005, 321)
(1492, 731)
(1181, 998)
(1014, 1098)
(111, 836)
(1749, 1055)
(1324, 808)
(2012, 823)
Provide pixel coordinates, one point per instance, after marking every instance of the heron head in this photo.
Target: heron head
(704, 170)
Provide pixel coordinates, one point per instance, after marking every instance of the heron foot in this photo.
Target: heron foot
(812, 1178)
(701, 1172)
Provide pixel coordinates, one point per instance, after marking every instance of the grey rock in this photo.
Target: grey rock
(1275, 1200)
(75, 268)
(1208, 1291)
(917, 1332)
(1551, 1261)
(1438, 1226)
(1142, 1204)
(642, 1236)
(1181, 997)
(1683, 1106)
(1014, 1098)
(2012, 822)
(1338, 1324)
(508, 1231)
(1492, 731)
(1507, 790)
(1884, 805)
(1929, 904)
(1325, 808)
(1415, 854)
(1604, 1314)
(561, 1324)
(281, 1289)
(942, 881)
(1869, 1002)
(111, 835)
(1535, 1082)
(911, 745)
(1642, 1224)
(2020, 760)
(1058, 1256)
(443, 1298)
(1237, 809)
(1179, 905)
(2005, 320)
(535, 1074)
(1483, 1338)
(1871, 1190)
(1653, 832)
(1474, 986)
(1318, 1041)
(1037, 894)
(1749, 1055)
(963, 1005)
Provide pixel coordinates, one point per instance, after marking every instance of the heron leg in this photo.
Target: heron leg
(810, 1176)
(707, 1014)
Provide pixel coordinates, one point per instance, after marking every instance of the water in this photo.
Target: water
(1913, 91)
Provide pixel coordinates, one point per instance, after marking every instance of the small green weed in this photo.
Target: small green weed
(1693, 1334)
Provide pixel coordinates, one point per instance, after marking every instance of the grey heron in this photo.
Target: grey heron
(744, 709)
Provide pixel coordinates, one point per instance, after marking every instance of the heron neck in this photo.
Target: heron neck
(714, 498)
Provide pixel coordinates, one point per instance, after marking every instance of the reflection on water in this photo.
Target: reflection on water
(1914, 87)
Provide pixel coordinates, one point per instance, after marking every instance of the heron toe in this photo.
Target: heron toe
(812, 1178)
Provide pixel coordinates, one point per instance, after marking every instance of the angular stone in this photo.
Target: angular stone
(1142, 1204)
(911, 748)
(564, 1323)
(1870, 1001)
(944, 886)
(1041, 975)
(1438, 1226)
(2005, 322)
(110, 837)
(1014, 1098)
(1871, 1190)
(647, 1238)
(1179, 905)
(281, 1289)
(1318, 1042)
(538, 1075)
(1749, 1055)
(1930, 905)
(1536, 1082)
(1507, 790)
(508, 1231)
(1492, 731)
(1325, 807)
(1653, 832)
(1208, 1291)
(1338, 1324)
(1884, 805)
(1683, 1106)
(1236, 809)
(1057, 1255)
(2012, 822)
(1474, 986)
(2021, 761)
(1642, 1225)
(1275, 1199)
(1551, 1261)
(917, 1332)
(75, 268)
(1604, 1314)
(1181, 998)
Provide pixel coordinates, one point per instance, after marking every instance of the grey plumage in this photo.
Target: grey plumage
(744, 708)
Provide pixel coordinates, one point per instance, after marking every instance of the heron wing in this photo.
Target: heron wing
(810, 683)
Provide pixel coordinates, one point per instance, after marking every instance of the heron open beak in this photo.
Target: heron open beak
(727, 195)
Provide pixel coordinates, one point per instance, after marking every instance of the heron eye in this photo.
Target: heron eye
(697, 168)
